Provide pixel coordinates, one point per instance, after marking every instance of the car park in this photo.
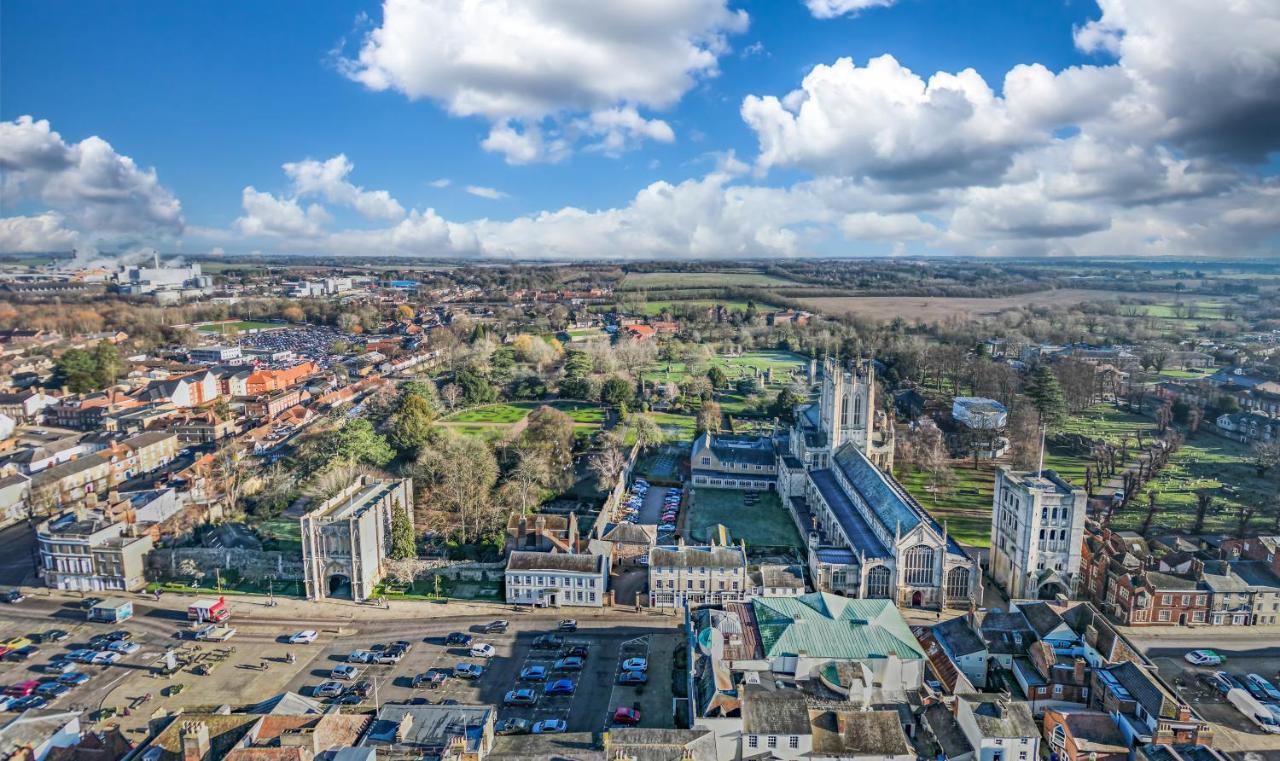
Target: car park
(496, 627)
(571, 663)
(344, 671)
(1204, 658)
(512, 726)
(329, 690)
(635, 664)
(633, 677)
(533, 674)
(550, 727)
(483, 650)
(524, 696)
(626, 716)
(559, 687)
(458, 638)
(124, 647)
(468, 671)
(305, 637)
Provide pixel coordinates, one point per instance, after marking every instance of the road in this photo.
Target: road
(17, 554)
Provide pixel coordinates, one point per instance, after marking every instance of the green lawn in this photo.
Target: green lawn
(493, 422)
(285, 533)
(677, 427)
(965, 507)
(765, 523)
(492, 413)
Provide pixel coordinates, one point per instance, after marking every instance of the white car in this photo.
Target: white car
(329, 690)
(635, 664)
(304, 637)
(483, 650)
(124, 647)
(344, 671)
(104, 658)
(1204, 658)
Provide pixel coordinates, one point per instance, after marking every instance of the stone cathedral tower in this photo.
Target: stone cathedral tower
(847, 405)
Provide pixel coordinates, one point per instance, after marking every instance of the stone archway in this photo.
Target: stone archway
(338, 585)
(1050, 590)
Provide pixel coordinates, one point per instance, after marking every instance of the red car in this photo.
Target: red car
(625, 715)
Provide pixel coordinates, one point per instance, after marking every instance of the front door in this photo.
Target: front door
(917, 599)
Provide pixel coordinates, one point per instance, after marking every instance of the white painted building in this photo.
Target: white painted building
(557, 579)
(682, 575)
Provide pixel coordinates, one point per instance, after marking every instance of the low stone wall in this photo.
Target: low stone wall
(468, 571)
(204, 561)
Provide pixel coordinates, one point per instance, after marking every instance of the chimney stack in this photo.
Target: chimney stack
(195, 741)
(1079, 670)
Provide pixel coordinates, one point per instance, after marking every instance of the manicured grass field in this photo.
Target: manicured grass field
(765, 523)
(493, 422)
(231, 328)
(965, 508)
(492, 413)
(677, 427)
(640, 280)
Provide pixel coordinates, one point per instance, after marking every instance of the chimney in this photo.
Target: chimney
(1197, 569)
(840, 723)
(195, 741)
(1079, 671)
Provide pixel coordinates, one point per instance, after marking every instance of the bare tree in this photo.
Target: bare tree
(451, 394)
(1204, 500)
(1266, 455)
(606, 465)
(405, 571)
(530, 475)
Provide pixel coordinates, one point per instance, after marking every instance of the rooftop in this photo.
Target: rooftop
(553, 561)
(824, 625)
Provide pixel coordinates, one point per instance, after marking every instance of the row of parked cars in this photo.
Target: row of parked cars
(62, 671)
(1253, 696)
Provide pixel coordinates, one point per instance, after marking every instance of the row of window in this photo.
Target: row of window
(771, 741)
(563, 582)
(702, 584)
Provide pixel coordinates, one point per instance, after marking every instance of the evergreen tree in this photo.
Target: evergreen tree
(411, 426)
(1046, 396)
(402, 544)
(77, 370)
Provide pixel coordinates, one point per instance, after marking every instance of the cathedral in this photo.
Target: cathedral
(866, 536)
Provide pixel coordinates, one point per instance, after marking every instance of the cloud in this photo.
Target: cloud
(38, 233)
(441, 183)
(826, 9)
(883, 121)
(88, 181)
(522, 65)
(620, 129)
(266, 214)
(328, 179)
(483, 192)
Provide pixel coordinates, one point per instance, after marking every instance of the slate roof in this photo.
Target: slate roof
(782, 576)
(429, 726)
(847, 515)
(731, 449)
(1008, 719)
(1094, 732)
(866, 734)
(553, 561)
(697, 556)
(1143, 688)
(959, 637)
(1042, 618)
(774, 712)
(824, 625)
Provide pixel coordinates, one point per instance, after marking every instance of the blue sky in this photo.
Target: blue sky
(217, 96)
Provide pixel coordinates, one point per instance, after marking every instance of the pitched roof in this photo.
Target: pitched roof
(1093, 731)
(552, 561)
(1043, 619)
(697, 556)
(1143, 688)
(768, 711)
(824, 625)
(854, 526)
(858, 733)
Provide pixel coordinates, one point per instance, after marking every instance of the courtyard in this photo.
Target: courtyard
(761, 521)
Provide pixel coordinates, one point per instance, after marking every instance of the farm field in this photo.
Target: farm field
(765, 523)
(655, 308)
(932, 309)
(639, 280)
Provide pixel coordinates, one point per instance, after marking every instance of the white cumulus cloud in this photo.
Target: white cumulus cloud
(519, 63)
(826, 9)
(37, 233)
(328, 179)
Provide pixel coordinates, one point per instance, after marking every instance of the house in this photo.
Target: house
(555, 579)
(784, 724)
(185, 391)
(91, 552)
(1083, 735)
(778, 581)
(543, 532)
(733, 462)
(33, 735)
(685, 575)
(258, 732)
(1145, 709)
(15, 496)
(1248, 426)
(26, 406)
(449, 733)
(957, 654)
(983, 728)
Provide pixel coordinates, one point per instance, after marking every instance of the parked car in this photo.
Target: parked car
(22, 689)
(361, 688)
(344, 671)
(496, 627)
(483, 650)
(329, 689)
(403, 645)
(1204, 658)
(468, 671)
(119, 635)
(391, 656)
(13, 597)
(559, 687)
(576, 651)
(304, 637)
(571, 663)
(52, 690)
(349, 699)
(430, 679)
(74, 679)
(30, 701)
(22, 653)
(458, 638)
(55, 635)
(105, 658)
(512, 727)
(124, 647)
(633, 677)
(635, 664)
(360, 656)
(99, 641)
(626, 716)
(525, 696)
(533, 674)
(1261, 689)
(548, 642)
(80, 656)
(550, 727)
(1226, 682)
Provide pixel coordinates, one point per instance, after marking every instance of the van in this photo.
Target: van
(1254, 711)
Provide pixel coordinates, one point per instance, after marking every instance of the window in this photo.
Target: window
(773, 741)
(1166, 599)
(958, 583)
(918, 565)
(1164, 615)
(706, 460)
(753, 741)
(793, 742)
(878, 583)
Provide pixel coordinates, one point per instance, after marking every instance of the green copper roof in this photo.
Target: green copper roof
(823, 625)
